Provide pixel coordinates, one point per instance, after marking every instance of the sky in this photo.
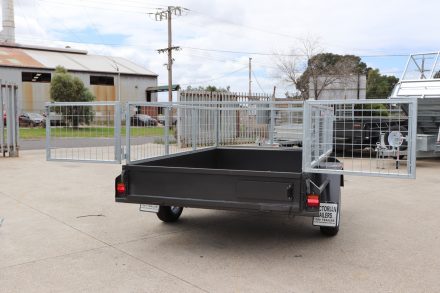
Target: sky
(218, 37)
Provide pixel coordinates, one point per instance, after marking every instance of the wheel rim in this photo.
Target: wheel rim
(175, 210)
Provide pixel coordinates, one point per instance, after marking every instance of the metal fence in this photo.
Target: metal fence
(88, 132)
(155, 129)
(9, 130)
(370, 137)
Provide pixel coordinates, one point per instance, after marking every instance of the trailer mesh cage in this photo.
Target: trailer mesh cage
(369, 137)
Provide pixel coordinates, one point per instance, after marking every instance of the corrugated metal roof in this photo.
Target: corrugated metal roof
(74, 61)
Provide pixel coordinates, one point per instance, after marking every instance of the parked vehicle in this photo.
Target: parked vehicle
(161, 120)
(241, 179)
(31, 119)
(358, 134)
(142, 120)
(55, 119)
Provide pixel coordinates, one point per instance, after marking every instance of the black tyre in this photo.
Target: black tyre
(331, 231)
(169, 214)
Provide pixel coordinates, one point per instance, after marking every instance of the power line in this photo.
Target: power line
(202, 49)
(142, 3)
(135, 11)
(62, 23)
(216, 78)
(26, 37)
(258, 83)
(166, 14)
(285, 55)
(245, 26)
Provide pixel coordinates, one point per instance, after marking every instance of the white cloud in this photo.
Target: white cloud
(357, 27)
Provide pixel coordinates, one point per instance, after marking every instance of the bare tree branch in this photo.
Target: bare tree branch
(311, 71)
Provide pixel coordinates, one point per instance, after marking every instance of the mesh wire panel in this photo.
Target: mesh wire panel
(369, 137)
(83, 132)
(187, 126)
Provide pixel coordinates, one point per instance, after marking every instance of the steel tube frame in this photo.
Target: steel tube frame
(116, 128)
(309, 165)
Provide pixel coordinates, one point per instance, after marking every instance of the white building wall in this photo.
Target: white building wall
(345, 88)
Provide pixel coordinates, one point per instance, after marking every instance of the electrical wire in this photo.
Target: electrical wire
(285, 55)
(258, 83)
(242, 25)
(99, 7)
(214, 79)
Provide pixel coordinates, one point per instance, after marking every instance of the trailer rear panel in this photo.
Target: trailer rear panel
(225, 178)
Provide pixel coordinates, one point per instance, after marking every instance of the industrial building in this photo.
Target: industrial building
(32, 67)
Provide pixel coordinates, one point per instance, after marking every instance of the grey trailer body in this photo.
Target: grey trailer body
(241, 179)
(210, 155)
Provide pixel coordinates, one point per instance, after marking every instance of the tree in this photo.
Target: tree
(379, 86)
(68, 88)
(209, 88)
(326, 69)
(311, 66)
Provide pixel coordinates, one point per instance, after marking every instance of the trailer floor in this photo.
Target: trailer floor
(62, 231)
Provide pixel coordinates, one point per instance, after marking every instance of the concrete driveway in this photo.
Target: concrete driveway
(62, 231)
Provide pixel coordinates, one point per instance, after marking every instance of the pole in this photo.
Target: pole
(272, 117)
(160, 15)
(250, 78)
(119, 85)
(170, 58)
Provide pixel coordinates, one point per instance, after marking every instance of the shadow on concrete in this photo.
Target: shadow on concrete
(221, 229)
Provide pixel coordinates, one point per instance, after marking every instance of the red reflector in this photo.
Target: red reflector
(120, 188)
(313, 200)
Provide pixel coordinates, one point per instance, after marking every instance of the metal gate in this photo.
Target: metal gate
(369, 137)
(9, 130)
(84, 132)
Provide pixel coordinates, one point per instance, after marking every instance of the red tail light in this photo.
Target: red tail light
(313, 200)
(120, 188)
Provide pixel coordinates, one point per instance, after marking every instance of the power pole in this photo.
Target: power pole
(250, 78)
(167, 14)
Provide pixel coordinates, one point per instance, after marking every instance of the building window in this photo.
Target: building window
(101, 80)
(35, 77)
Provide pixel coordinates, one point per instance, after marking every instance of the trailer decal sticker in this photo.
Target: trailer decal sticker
(328, 213)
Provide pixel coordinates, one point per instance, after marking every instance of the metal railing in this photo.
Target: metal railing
(87, 132)
(369, 137)
(9, 127)
(155, 129)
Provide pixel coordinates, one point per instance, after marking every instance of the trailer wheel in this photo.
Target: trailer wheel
(169, 214)
(331, 231)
